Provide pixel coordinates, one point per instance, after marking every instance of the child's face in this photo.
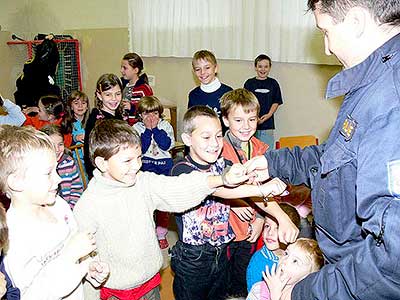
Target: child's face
(42, 112)
(40, 179)
(241, 124)
(294, 264)
(127, 72)
(124, 165)
(79, 106)
(154, 116)
(205, 141)
(205, 71)
(111, 99)
(270, 234)
(58, 142)
(262, 69)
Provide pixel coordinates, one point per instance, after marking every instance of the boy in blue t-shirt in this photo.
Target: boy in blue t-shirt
(269, 96)
(199, 258)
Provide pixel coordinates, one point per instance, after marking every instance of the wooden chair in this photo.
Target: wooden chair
(300, 140)
(75, 149)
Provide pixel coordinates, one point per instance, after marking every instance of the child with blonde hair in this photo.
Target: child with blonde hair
(300, 259)
(211, 89)
(47, 258)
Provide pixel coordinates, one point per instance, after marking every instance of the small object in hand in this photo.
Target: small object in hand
(284, 193)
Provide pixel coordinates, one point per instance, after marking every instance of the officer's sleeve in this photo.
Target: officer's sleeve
(294, 165)
(372, 270)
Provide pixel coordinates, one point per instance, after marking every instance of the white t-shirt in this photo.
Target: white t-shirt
(33, 259)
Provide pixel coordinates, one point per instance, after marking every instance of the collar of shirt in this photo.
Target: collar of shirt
(367, 71)
(211, 87)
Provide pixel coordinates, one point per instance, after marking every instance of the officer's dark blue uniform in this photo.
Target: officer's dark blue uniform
(355, 180)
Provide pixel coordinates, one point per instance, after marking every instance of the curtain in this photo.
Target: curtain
(232, 29)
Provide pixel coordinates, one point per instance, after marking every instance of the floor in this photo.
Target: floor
(166, 272)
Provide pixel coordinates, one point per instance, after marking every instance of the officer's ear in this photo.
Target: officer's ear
(356, 21)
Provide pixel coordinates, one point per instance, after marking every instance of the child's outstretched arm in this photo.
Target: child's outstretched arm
(271, 188)
(287, 231)
(14, 115)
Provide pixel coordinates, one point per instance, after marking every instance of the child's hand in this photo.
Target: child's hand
(257, 227)
(155, 120)
(80, 137)
(274, 283)
(30, 109)
(3, 285)
(287, 231)
(99, 271)
(234, 175)
(127, 104)
(257, 169)
(245, 214)
(273, 187)
(80, 245)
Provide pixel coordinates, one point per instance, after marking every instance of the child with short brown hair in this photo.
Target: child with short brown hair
(120, 201)
(199, 258)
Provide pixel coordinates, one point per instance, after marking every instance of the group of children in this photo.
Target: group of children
(116, 250)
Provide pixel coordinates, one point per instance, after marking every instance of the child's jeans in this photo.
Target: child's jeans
(239, 255)
(200, 271)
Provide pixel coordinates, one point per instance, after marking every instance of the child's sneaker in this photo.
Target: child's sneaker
(163, 243)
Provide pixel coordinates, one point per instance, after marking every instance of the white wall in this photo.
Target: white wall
(101, 27)
(26, 18)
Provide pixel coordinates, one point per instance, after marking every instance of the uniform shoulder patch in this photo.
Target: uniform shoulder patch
(348, 128)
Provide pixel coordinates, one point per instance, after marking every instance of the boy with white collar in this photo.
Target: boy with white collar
(209, 92)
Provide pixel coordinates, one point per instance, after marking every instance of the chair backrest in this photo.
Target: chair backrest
(75, 148)
(300, 140)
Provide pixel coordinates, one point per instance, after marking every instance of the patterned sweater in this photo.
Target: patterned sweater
(71, 186)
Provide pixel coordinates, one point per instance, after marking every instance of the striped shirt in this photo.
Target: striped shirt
(71, 187)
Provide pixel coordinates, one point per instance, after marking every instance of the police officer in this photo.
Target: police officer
(355, 174)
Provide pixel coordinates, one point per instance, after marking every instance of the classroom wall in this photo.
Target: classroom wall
(101, 28)
(8, 72)
(305, 111)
